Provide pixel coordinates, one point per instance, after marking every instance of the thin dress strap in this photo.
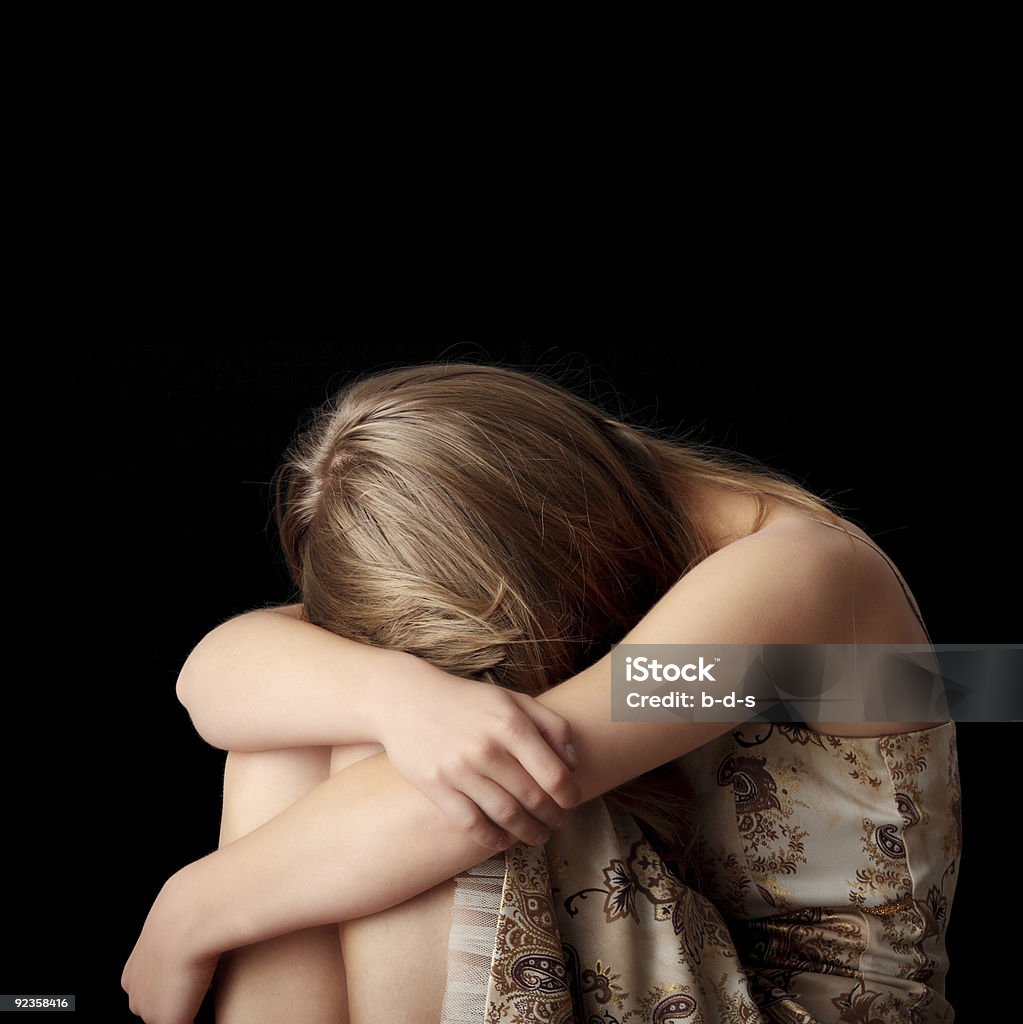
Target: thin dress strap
(891, 565)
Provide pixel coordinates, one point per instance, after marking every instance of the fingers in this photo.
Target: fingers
(526, 744)
(508, 776)
(504, 811)
(551, 726)
(470, 819)
(537, 806)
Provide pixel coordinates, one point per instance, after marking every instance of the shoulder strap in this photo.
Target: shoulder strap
(891, 565)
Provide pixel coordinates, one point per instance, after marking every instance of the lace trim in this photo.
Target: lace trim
(474, 918)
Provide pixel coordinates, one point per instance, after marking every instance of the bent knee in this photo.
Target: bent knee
(260, 784)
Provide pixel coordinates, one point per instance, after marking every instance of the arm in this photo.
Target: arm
(267, 680)
(367, 840)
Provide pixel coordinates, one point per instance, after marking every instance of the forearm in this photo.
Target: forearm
(361, 842)
(268, 680)
(367, 840)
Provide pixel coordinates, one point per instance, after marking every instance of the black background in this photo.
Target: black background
(141, 518)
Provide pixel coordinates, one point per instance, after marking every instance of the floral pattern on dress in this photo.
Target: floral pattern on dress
(617, 939)
(867, 897)
(819, 891)
(765, 808)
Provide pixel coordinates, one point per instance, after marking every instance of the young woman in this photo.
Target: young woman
(453, 526)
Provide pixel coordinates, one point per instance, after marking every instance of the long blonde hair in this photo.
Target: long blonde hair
(496, 524)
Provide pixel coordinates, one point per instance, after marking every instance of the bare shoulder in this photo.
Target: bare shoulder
(882, 608)
(794, 581)
(864, 598)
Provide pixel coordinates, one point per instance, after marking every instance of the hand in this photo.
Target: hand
(165, 981)
(498, 763)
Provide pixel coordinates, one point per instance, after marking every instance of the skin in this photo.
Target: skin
(266, 681)
(366, 847)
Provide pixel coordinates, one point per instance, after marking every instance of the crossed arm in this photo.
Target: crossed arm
(368, 839)
(268, 681)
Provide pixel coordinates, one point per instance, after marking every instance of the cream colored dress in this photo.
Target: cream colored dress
(820, 892)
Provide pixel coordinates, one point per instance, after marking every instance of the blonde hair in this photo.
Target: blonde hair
(496, 524)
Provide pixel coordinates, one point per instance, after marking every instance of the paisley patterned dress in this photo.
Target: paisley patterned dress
(820, 892)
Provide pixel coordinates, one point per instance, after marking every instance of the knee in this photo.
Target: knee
(260, 784)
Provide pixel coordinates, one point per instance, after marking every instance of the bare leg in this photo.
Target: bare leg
(300, 976)
(393, 966)
(396, 960)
